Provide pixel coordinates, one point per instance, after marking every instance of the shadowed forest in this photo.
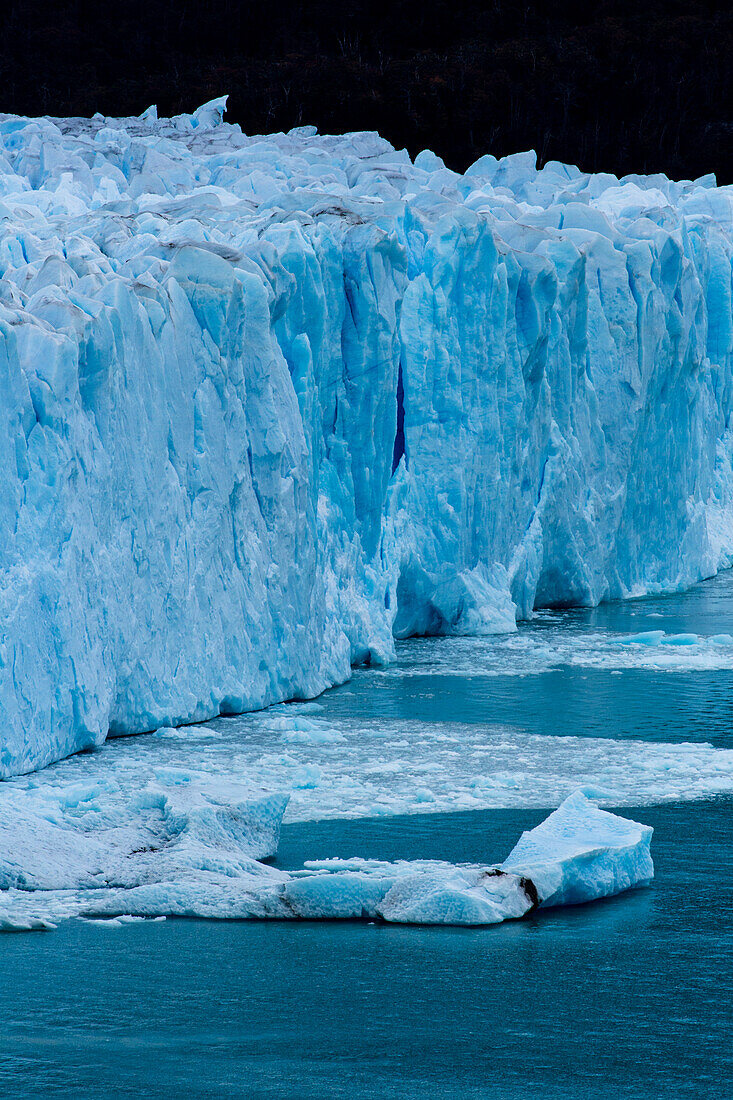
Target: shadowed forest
(617, 85)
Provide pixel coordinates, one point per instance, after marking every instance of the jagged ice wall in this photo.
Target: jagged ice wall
(268, 402)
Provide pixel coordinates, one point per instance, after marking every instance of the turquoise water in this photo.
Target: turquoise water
(690, 703)
(625, 998)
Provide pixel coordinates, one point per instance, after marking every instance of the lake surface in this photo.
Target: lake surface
(630, 997)
(578, 677)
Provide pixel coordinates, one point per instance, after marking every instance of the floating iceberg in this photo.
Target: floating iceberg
(581, 853)
(268, 402)
(192, 855)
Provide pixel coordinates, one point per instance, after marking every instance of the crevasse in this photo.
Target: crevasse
(268, 402)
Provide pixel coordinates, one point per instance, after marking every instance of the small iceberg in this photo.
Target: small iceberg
(648, 637)
(578, 854)
(206, 861)
(660, 637)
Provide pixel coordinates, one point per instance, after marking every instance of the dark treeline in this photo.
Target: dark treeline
(617, 85)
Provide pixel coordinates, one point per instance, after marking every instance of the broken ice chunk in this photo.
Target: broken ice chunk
(580, 853)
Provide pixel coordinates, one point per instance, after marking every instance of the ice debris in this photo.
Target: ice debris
(201, 859)
(268, 401)
(580, 853)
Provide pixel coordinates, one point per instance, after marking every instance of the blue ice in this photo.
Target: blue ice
(268, 402)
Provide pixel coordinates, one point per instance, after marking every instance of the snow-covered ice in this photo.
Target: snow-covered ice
(267, 402)
(188, 855)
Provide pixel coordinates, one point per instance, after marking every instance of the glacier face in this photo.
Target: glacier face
(268, 402)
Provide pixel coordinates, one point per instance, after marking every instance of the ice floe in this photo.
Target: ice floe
(208, 865)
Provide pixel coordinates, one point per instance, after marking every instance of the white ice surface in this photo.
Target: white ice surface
(205, 866)
(557, 646)
(580, 853)
(354, 767)
(207, 343)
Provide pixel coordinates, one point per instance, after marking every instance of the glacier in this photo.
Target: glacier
(189, 851)
(269, 402)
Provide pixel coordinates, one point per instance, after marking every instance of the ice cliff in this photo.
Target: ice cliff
(267, 402)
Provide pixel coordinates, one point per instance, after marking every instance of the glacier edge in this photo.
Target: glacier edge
(269, 402)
